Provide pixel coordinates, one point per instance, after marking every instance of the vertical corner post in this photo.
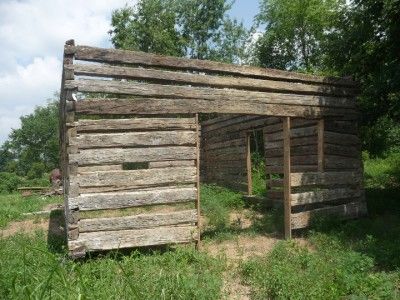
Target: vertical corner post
(198, 179)
(248, 165)
(287, 180)
(321, 158)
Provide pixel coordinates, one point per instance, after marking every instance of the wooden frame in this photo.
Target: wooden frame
(308, 124)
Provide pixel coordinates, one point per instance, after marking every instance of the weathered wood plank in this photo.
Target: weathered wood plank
(99, 168)
(294, 133)
(287, 162)
(326, 178)
(229, 122)
(134, 139)
(321, 143)
(333, 162)
(105, 125)
(186, 92)
(294, 168)
(207, 80)
(248, 166)
(324, 195)
(132, 199)
(138, 221)
(171, 163)
(341, 138)
(345, 211)
(106, 240)
(167, 106)
(295, 160)
(122, 155)
(300, 141)
(154, 60)
(137, 178)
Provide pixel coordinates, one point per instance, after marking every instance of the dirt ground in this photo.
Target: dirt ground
(235, 250)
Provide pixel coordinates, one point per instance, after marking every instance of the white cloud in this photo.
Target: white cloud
(32, 35)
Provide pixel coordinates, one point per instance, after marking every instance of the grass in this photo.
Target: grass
(36, 272)
(13, 206)
(352, 260)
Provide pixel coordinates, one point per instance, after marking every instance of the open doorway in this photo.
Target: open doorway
(255, 162)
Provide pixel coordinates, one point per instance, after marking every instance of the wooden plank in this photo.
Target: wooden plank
(138, 221)
(132, 199)
(170, 77)
(324, 195)
(294, 133)
(122, 155)
(220, 145)
(106, 240)
(341, 138)
(248, 166)
(99, 168)
(286, 177)
(345, 211)
(326, 178)
(134, 139)
(294, 168)
(176, 106)
(197, 203)
(154, 60)
(171, 163)
(301, 141)
(203, 93)
(321, 158)
(105, 125)
(295, 160)
(137, 178)
(228, 122)
(333, 162)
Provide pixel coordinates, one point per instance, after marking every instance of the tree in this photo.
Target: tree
(192, 28)
(366, 44)
(295, 33)
(33, 147)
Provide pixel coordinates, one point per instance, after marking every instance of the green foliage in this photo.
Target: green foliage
(148, 27)
(382, 173)
(193, 28)
(9, 182)
(13, 206)
(30, 271)
(295, 33)
(366, 44)
(216, 203)
(34, 147)
(294, 272)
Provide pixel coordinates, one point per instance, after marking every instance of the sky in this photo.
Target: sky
(32, 35)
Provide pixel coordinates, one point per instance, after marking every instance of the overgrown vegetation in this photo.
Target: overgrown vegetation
(32, 269)
(13, 206)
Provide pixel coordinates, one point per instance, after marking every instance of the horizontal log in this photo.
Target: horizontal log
(134, 139)
(154, 60)
(340, 162)
(186, 92)
(107, 240)
(207, 146)
(345, 211)
(122, 155)
(295, 160)
(136, 178)
(171, 163)
(105, 125)
(326, 178)
(99, 168)
(207, 80)
(341, 138)
(294, 133)
(341, 126)
(294, 169)
(138, 221)
(132, 199)
(324, 195)
(228, 122)
(301, 141)
(177, 106)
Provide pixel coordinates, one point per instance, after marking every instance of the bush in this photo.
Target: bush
(36, 171)
(9, 182)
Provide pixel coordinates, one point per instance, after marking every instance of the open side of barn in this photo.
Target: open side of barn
(131, 141)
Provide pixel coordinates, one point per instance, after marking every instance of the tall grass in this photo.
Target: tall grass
(30, 270)
(13, 206)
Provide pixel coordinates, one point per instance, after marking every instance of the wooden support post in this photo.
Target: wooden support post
(248, 165)
(198, 179)
(286, 182)
(321, 159)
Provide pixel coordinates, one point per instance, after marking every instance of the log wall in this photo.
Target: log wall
(130, 137)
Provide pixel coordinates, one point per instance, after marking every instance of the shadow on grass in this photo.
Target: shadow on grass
(376, 235)
(56, 235)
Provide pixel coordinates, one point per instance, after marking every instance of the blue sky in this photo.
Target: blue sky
(245, 10)
(32, 35)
